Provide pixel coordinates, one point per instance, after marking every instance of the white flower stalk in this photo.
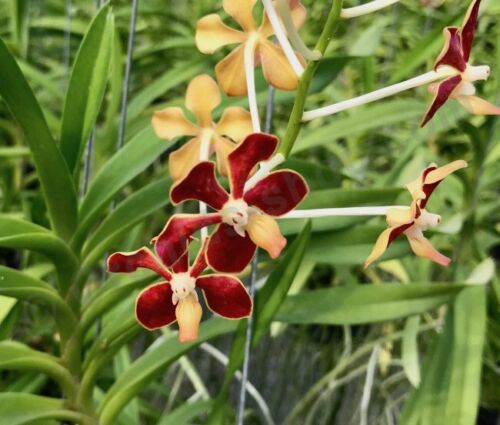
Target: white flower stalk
(282, 38)
(264, 169)
(204, 155)
(283, 7)
(339, 212)
(364, 9)
(250, 77)
(424, 79)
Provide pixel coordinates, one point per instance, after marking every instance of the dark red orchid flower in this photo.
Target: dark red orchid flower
(459, 86)
(175, 298)
(244, 217)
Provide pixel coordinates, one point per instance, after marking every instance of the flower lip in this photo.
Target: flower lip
(182, 285)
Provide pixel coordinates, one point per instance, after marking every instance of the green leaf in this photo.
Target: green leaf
(151, 365)
(21, 234)
(266, 304)
(19, 21)
(86, 86)
(409, 350)
(134, 158)
(365, 303)
(28, 409)
(131, 211)
(185, 413)
(17, 356)
(55, 179)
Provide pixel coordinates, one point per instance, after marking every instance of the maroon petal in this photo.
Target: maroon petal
(278, 193)
(228, 252)
(255, 148)
(200, 184)
(469, 28)
(127, 262)
(182, 264)
(445, 89)
(226, 296)
(200, 264)
(452, 54)
(154, 308)
(172, 242)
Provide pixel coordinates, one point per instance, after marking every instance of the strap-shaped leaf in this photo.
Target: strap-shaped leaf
(365, 303)
(87, 86)
(55, 179)
(21, 234)
(22, 408)
(17, 356)
(151, 365)
(138, 154)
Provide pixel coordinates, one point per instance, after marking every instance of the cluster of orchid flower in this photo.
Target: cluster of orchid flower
(245, 217)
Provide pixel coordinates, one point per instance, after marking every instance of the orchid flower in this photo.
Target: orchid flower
(452, 68)
(456, 55)
(414, 220)
(245, 218)
(175, 298)
(212, 34)
(202, 97)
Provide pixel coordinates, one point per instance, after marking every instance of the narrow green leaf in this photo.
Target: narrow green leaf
(409, 350)
(26, 409)
(55, 179)
(151, 365)
(365, 303)
(134, 158)
(86, 87)
(185, 413)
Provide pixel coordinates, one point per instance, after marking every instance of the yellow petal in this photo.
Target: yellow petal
(188, 313)
(242, 12)
(183, 159)
(223, 147)
(265, 233)
(202, 98)
(477, 106)
(236, 123)
(171, 122)
(440, 173)
(230, 73)
(399, 216)
(423, 248)
(277, 70)
(212, 34)
(380, 246)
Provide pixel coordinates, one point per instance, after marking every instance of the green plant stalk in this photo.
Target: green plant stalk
(295, 121)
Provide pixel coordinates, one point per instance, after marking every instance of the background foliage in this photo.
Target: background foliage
(346, 345)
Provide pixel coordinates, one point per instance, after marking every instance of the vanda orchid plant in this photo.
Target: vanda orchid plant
(214, 219)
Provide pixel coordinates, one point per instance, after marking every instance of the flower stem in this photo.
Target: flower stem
(338, 212)
(204, 155)
(283, 7)
(282, 38)
(250, 77)
(364, 9)
(294, 123)
(421, 80)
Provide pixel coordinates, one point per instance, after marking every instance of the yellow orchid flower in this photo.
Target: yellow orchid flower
(414, 220)
(202, 97)
(212, 34)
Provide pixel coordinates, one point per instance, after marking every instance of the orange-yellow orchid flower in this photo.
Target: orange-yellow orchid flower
(414, 220)
(202, 97)
(212, 34)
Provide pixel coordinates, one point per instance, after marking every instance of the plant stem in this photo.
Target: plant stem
(421, 80)
(250, 77)
(338, 212)
(294, 123)
(364, 9)
(282, 37)
(283, 7)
